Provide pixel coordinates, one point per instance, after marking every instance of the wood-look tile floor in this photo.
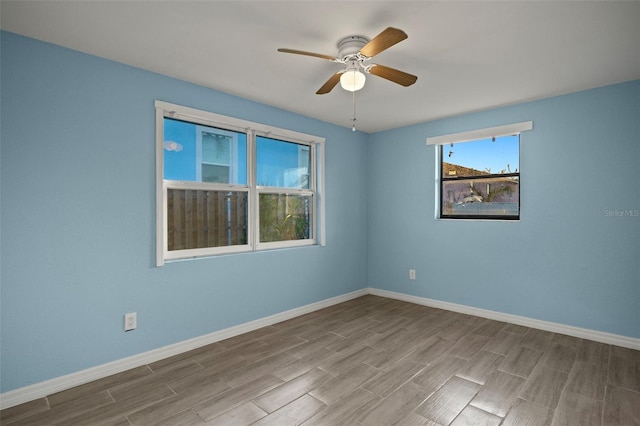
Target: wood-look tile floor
(369, 361)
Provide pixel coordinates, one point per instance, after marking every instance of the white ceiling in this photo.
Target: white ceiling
(468, 56)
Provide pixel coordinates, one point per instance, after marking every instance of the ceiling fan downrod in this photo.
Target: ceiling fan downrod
(353, 120)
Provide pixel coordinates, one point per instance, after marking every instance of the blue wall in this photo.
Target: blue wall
(571, 259)
(78, 219)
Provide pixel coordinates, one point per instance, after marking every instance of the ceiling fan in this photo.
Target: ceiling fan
(355, 52)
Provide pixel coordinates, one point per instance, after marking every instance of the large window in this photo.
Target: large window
(479, 175)
(227, 185)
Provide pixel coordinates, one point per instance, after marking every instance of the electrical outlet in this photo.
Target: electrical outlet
(130, 321)
(412, 274)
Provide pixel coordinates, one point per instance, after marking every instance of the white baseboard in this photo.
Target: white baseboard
(583, 333)
(48, 387)
(42, 389)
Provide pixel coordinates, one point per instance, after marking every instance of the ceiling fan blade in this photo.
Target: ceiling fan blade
(302, 52)
(330, 84)
(383, 41)
(394, 75)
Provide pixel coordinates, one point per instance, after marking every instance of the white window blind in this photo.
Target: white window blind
(495, 132)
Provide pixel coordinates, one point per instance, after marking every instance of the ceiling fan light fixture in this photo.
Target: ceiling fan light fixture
(352, 80)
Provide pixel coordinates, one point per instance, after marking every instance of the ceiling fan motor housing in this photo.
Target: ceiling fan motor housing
(350, 46)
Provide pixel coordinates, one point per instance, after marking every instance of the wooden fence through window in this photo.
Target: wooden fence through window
(201, 218)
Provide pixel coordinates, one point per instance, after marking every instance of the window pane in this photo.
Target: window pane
(198, 219)
(197, 153)
(285, 217)
(214, 173)
(481, 197)
(282, 164)
(216, 148)
(481, 157)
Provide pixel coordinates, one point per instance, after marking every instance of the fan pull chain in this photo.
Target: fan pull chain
(353, 127)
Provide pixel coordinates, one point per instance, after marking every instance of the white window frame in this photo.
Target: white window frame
(473, 135)
(316, 145)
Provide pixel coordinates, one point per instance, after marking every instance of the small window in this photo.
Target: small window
(478, 173)
(217, 155)
(480, 179)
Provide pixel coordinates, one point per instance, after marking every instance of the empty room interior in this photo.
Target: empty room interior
(310, 212)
